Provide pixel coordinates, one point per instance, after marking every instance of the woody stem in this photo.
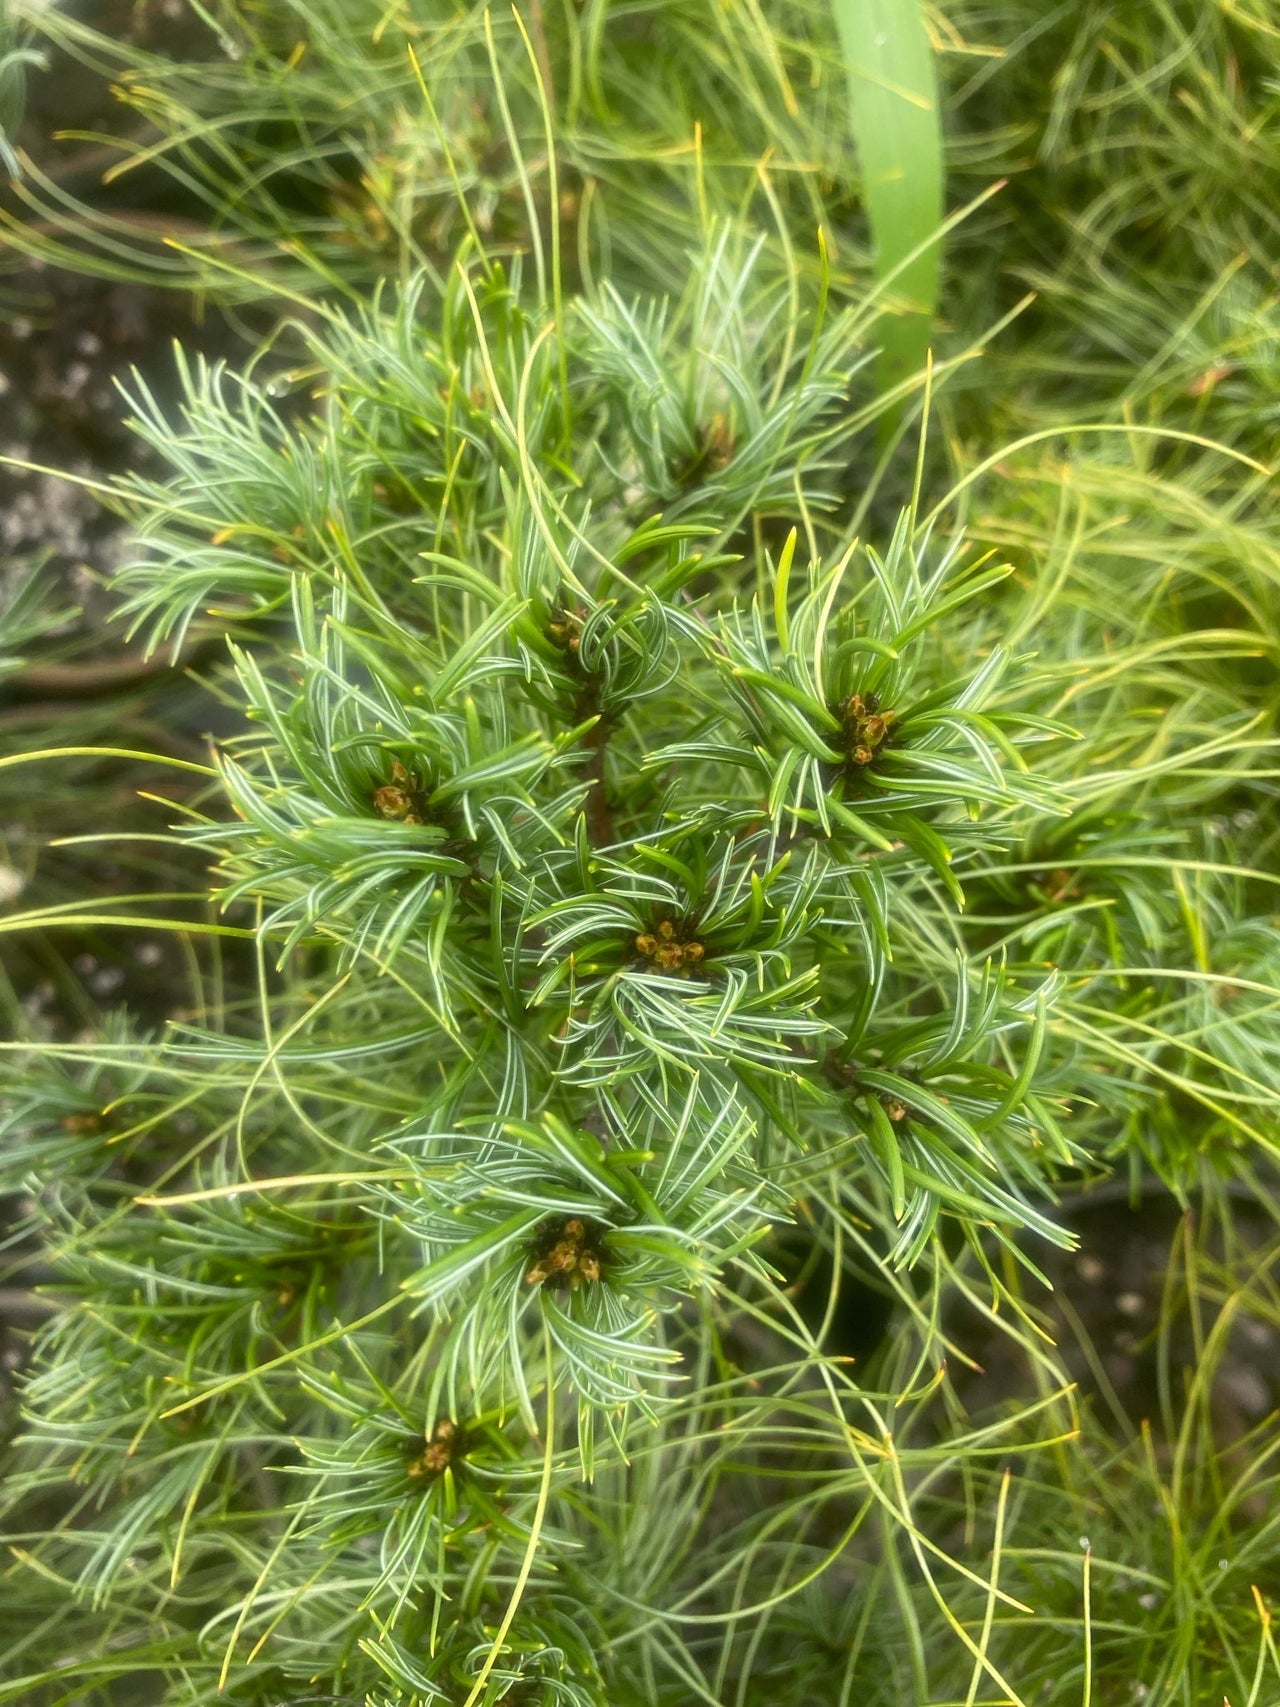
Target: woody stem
(600, 825)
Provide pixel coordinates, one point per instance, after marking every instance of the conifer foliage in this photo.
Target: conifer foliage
(572, 809)
(676, 917)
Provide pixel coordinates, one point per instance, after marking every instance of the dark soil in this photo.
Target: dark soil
(1128, 1321)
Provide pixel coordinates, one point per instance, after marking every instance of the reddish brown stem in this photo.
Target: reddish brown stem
(600, 826)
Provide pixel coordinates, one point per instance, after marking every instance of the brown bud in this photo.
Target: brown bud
(390, 801)
(81, 1122)
(436, 1455)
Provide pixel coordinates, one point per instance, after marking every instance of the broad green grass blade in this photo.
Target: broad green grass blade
(897, 131)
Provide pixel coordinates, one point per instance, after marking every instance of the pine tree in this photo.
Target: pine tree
(601, 846)
(680, 893)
